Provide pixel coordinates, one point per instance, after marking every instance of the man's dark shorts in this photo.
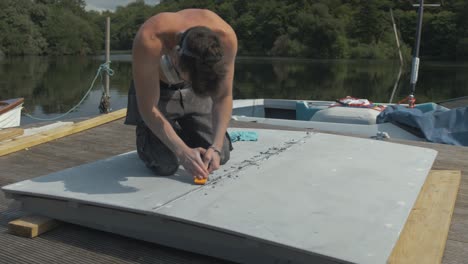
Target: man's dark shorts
(189, 115)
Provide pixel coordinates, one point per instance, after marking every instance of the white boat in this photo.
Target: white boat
(10, 112)
(321, 115)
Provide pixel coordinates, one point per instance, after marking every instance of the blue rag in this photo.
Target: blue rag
(243, 136)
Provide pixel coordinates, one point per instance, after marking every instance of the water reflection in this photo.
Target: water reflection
(53, 85)
(329, 80)
(318, 80)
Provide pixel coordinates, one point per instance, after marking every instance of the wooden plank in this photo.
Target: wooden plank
(36, 139)
(424, 236)
(9, 133)
(31, 226)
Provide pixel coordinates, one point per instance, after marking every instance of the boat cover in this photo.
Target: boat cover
(347, 115)
(439, 125)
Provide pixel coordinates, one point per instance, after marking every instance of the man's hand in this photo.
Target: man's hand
(192, 161)
(212, 160)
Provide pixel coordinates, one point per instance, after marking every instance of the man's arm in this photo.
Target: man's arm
(222, 104)
(146, 55)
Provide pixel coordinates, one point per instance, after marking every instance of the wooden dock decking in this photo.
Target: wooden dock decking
(73, 244)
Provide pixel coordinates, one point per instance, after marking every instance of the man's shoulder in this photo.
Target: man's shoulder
(152, 30)
(162, 17)
(157, 27)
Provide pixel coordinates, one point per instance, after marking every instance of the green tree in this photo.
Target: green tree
(322, 34)
(125, 23)
(78, 37)
(307, 28)
(440, 35)
(370, 22)
(18, 34)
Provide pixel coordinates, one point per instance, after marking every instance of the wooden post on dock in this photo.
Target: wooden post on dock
(104, 105)
(107, 51)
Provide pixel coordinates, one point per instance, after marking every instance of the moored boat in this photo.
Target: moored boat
(10, 112)
(327, 116)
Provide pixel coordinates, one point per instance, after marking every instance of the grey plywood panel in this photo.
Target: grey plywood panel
(336, 196)
(123, 181)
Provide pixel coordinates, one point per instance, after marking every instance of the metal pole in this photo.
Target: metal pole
(107, 53)
(415, 64)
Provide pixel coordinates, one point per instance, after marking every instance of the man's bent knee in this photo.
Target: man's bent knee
(163, 169)
(154, 153)
(225, 157)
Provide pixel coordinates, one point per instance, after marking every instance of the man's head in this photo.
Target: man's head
(201, 58)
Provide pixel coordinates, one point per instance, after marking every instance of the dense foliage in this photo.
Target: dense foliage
(321, 29)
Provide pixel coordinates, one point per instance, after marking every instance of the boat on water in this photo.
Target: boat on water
(329, 116)
(429, 122)
(10, 112)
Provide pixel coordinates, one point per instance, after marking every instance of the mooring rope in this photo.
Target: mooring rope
(105, 67)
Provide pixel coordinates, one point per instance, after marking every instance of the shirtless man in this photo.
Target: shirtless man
(181, 95)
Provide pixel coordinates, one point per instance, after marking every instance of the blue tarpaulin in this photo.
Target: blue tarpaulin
(439, 126)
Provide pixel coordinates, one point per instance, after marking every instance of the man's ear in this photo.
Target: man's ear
(179, 37)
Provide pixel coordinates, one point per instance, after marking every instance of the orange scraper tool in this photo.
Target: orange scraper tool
(200, 181)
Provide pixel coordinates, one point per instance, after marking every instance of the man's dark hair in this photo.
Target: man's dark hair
(201, 55)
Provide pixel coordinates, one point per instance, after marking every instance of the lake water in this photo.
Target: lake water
(53, 85)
